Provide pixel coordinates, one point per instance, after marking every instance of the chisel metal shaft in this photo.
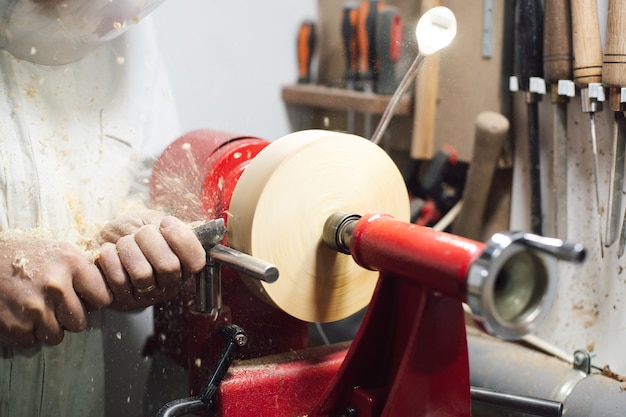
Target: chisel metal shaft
(587, 71)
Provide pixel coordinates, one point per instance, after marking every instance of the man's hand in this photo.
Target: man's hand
(46, 288)
(146, 257)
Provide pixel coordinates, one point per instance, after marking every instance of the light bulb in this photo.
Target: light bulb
(435, 30)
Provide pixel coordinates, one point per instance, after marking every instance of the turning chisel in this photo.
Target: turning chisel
(557, 68)
(528, 55)
(587, 72)
(614, 78)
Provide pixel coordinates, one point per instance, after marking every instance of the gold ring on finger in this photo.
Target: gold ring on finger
(145, 290)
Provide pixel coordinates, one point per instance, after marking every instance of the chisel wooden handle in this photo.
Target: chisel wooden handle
(614, 68)
(528, 41)
(426, 90)
(586, 43)
(557, 41)
(491, 129)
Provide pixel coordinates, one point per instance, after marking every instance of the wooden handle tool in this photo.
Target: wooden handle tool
(587, 44)
(491, 130)
(557, 70)
(587, 69)
(614, 77)
(557, 41)
(426, 89)
(614, 65)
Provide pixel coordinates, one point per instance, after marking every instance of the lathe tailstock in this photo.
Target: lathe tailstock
(330, 212)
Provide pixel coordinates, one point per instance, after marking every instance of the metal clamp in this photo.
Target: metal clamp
(592, 98)
(581, 368)
(512, 283)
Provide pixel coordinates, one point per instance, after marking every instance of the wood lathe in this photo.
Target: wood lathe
(329, 210)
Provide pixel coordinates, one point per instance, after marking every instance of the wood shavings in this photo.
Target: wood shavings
(31, 91)
(19, 266)
(606, 371)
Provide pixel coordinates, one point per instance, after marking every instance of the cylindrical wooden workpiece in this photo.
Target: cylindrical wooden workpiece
(281, 203)
(557, 41)
(586, 43)
(614, 69)
(491, 129)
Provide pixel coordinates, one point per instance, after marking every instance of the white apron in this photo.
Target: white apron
(73, 139)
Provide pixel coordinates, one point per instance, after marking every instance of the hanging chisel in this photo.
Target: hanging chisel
(349, 24)
(306, 46)
(528, 55)
(557, 68)
(614, 78)
(587, 72)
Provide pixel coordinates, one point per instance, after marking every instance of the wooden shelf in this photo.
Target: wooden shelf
(341, 99)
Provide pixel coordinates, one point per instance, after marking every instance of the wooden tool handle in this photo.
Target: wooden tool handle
(614, 69)
(557, 41)
(426, 86)
(426, 90)
(586, 43)
(528, 41)
(491, 129)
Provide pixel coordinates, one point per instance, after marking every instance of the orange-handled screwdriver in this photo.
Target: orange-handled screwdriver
(388, 45)
(366, 32)
(349, 24)
(306, 47)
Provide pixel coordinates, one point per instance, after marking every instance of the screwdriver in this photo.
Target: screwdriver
(306, 47)
(349, 22)
(528, 60)
(388, 45)
(614, 78)
(557, 68)
(587, 72)
(366, 32)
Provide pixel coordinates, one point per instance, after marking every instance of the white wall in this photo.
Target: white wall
(228, 60)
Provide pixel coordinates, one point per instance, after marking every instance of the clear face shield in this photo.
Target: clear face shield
(56, 32)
